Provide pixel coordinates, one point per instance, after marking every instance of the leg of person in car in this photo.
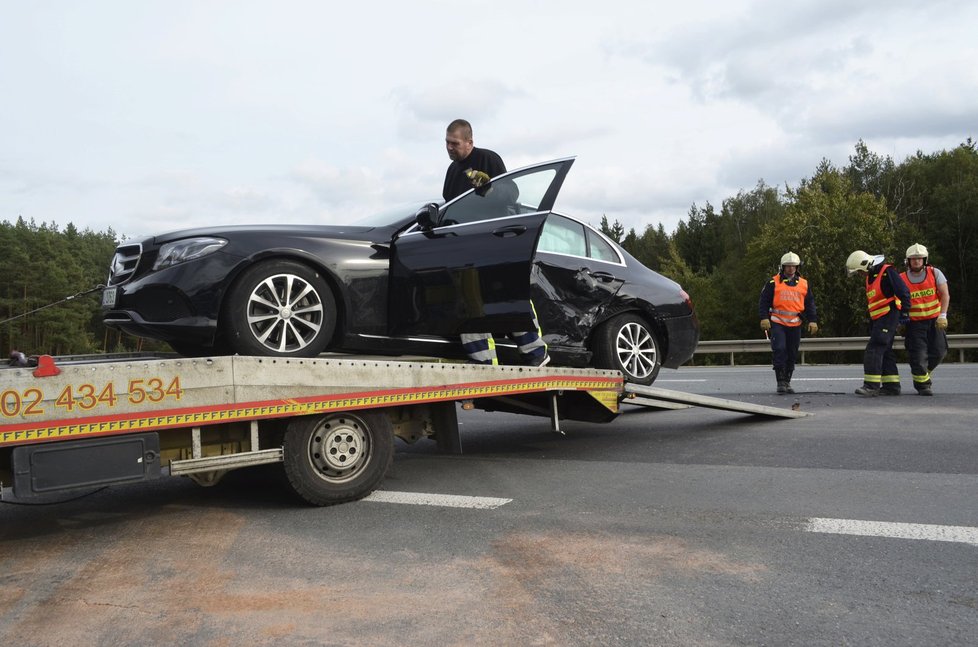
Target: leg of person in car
(532, 348)
(480, 347)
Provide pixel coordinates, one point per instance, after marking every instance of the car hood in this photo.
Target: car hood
(345, 232)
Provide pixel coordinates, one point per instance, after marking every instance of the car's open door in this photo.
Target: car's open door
(465, 267)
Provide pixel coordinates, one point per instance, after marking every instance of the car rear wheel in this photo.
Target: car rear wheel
(280, 308)
(628, 344)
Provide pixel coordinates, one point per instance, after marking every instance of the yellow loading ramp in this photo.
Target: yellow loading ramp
(650, 396)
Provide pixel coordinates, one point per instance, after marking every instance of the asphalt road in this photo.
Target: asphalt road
(857, 525)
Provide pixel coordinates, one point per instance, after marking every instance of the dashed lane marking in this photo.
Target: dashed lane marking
(443, 500)
(930, 532)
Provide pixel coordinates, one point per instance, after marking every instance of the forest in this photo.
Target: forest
(722, 256)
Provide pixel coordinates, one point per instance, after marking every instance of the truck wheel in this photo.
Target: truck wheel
(338, 457)
(280, 308)
(627, 343)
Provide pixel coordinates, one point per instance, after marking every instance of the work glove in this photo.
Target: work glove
(941, 323)
(812, 327)
(901, 330)
(477, 178)
(765, 324)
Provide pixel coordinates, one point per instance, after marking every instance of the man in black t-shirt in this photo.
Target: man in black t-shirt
(467, 161)
(474, 167)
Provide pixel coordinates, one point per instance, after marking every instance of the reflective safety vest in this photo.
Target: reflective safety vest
(788, 302)
(924, 303)
(879, 305)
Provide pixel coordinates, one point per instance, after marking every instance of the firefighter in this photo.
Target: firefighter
(786, 300)
(888, 300)
(926, 336)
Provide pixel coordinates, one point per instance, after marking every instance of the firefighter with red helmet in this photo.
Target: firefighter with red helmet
(888, 300)
(786, 301)
(926, 336)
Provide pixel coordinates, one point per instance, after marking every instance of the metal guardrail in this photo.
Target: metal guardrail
(959, 343)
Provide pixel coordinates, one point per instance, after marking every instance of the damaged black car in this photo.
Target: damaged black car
(408, 283)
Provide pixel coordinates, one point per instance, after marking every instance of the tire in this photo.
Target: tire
(628, 344)
(280, 308)
(338, 457)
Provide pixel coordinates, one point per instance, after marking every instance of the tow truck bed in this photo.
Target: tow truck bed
(331, 421)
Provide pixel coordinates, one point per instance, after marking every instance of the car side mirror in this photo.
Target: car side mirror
(427, 216)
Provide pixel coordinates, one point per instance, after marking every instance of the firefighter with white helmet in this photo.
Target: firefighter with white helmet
(926, 336)
(888, 300)
(787, 301)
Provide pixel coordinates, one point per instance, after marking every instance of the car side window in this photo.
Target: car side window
(600, 248)
(508, 196)
(562, 236)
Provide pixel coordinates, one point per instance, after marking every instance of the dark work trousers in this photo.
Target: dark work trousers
(879, 361)
(784, 346)
(926, 347)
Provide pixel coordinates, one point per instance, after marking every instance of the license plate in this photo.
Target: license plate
(108, 297)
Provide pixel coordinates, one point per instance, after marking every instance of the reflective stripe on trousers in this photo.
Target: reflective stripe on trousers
(879, 360)
(481, 347)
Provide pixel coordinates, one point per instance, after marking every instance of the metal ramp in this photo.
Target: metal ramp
(651, 396)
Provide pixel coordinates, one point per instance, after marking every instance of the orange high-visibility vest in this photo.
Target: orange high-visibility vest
(788, 302)
(924, 303)
(878, 304)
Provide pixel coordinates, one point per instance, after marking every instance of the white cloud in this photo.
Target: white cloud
(158, 115)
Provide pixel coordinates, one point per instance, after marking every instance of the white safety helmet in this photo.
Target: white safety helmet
(916, 251)
(858, 261)
(790, 258)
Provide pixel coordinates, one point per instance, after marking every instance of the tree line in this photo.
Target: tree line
(49, 291)
(722, 257)
(49, 301)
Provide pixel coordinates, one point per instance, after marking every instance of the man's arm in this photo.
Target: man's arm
(943, 294)
(766, 301)
(899, 288)
(811, 314)
(494, 164)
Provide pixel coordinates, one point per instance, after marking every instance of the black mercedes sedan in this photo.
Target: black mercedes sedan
(408, 282)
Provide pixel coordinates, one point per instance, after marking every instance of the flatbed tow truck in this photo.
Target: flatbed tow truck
(73, 424)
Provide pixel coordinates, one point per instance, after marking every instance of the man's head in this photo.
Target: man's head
(916, 257)
(789, 264)
(860, 261)
(458, 140)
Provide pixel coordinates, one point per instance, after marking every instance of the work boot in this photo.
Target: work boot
(787, 382)
(868, 391)
(782, 383)
(925, 390)
(890, 390)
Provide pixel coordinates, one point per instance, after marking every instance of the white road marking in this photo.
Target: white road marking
(690, 380)
(930, 532)
(443, 500)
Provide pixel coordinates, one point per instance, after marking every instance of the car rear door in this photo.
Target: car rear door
(470, 271)
(576, 274)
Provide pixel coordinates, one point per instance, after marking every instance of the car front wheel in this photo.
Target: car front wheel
(280, 308)
(628, 344)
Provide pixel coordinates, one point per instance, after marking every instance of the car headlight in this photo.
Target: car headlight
(187, 249)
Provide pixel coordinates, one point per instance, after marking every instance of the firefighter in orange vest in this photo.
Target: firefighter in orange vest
(888, 300)
(786, 300)
(925, 338)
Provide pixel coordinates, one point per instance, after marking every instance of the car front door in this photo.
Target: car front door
(468, 268)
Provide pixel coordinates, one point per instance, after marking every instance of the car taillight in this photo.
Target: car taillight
(686, 298)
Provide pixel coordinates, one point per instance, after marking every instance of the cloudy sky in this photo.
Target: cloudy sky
(145, 116)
